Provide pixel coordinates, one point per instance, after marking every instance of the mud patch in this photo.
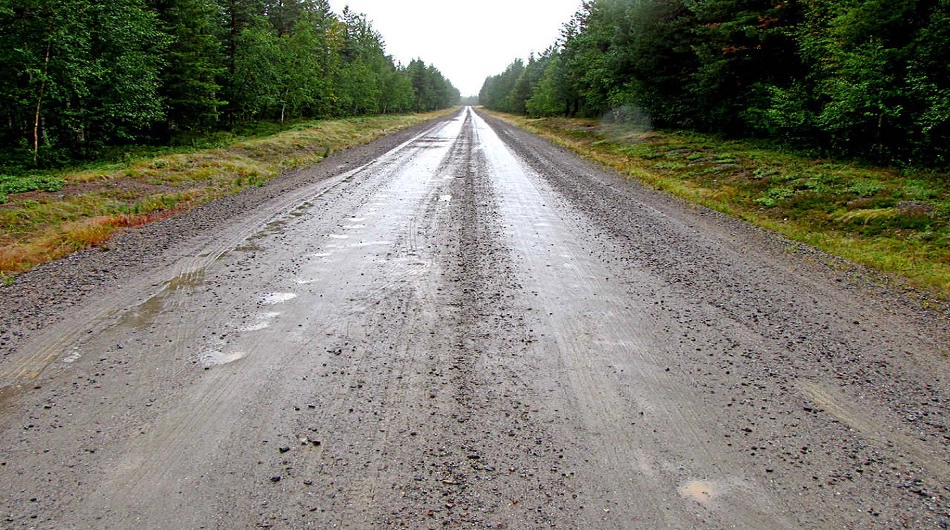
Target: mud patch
(701, 491)
(9, 394)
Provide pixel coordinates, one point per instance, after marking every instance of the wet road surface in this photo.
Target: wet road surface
(477, 329)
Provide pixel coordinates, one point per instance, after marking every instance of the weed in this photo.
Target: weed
(895, 221)
(919, 190)
(10, 184)
(775, 196)
(864, 188)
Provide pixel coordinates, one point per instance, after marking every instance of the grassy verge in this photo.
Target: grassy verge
(895, 221)
(44, 217)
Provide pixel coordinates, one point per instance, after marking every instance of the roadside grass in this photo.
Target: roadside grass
(45, 216)
(894, 220)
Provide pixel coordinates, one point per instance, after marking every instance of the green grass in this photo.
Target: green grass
(894, 220)
(44, 216)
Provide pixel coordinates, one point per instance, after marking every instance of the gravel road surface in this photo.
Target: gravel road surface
(463, 326)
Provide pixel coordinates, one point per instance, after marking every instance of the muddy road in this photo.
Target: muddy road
(464, 326)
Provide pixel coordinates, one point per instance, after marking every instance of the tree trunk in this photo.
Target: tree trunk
(39, 104)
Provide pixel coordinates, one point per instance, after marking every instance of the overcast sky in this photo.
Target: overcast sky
(466, 41)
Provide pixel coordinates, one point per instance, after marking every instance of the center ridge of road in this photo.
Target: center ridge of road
(465, 326)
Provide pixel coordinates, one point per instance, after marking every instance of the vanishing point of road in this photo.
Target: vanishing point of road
(464, 326)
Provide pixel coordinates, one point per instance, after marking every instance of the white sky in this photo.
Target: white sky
(466, 41)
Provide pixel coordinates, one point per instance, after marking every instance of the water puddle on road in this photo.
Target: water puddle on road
(277, 298)
(187, 280)
(249, 247)
(275, 227)
(262, 321)
(217, 358)
(142, 315)
(72, 356)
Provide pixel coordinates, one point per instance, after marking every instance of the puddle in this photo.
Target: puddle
(354, 227)
(143, 315)
(71, 357)
(700, 491)
(277, 298)
(445, 198)
(261, 322)
(269, 229)
(216, 358)
(372, 244)
(250, 247)
(187, 280)
(339, 236)
(357, 219)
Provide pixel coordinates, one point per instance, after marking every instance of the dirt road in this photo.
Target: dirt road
(464, 326)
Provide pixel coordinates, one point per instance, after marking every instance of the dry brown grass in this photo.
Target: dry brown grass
(95, 204)
(895, 221)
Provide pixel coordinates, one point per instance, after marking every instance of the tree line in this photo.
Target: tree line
(77, 76)
(862, 78)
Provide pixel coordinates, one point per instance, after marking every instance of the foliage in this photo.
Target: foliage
(861, 78)
(21, 184)
(80, 77)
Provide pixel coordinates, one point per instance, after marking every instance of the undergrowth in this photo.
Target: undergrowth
(894, 220)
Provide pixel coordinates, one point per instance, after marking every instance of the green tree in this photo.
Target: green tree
(79, 74)
(195, 66)
(870, 84)
(256, 80)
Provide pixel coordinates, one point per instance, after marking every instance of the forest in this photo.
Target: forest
(78, 77)
(867, 79)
